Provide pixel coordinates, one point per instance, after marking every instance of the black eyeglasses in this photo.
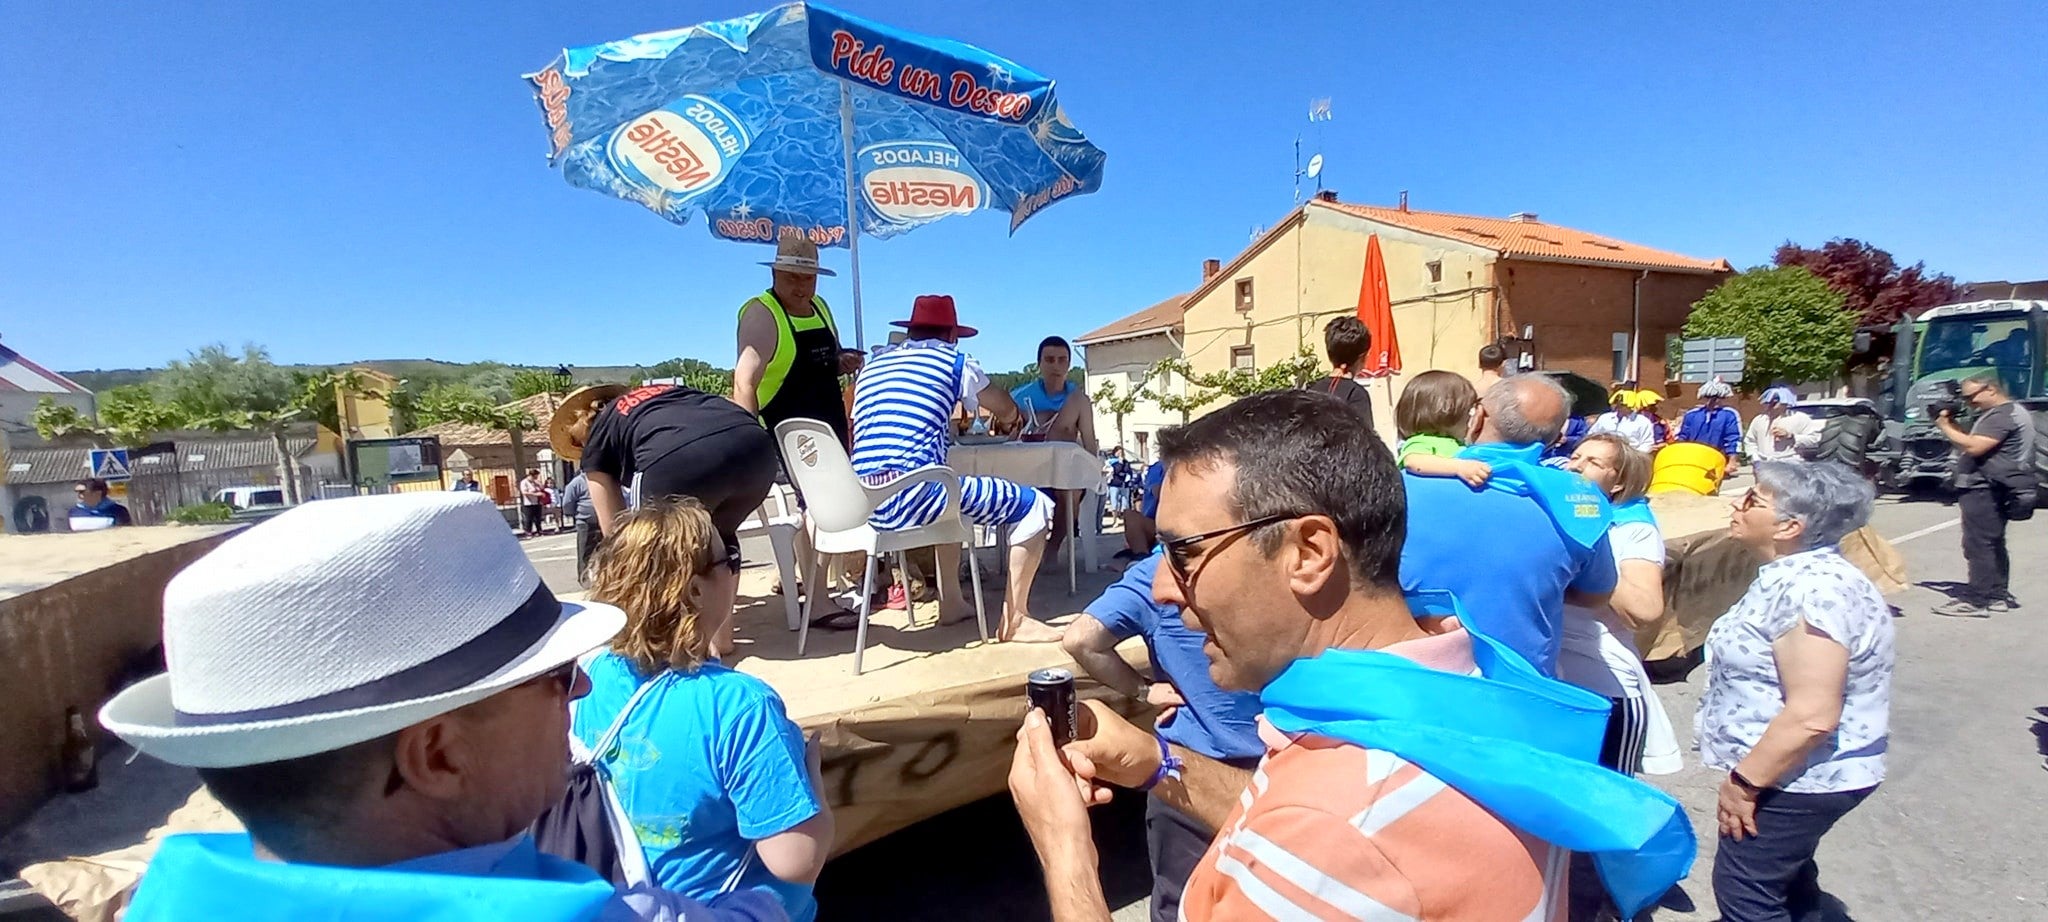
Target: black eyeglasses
(1179, 560)
(563, 675)
(732, 557)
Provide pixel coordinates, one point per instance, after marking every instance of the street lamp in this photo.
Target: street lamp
(562, 379)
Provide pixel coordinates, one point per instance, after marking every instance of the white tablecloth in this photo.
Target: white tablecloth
(1053, 465)
(1056, 465)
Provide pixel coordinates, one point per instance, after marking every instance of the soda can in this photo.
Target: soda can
(1052, 691)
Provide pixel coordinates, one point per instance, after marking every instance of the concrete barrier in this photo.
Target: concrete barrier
(79, 609)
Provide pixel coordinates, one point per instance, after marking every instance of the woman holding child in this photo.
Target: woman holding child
(1598, 651)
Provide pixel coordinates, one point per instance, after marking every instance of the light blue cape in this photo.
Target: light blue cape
(217, 876)
(1523, 746)
(1574, 504)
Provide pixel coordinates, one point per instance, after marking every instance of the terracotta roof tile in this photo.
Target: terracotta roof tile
(1532, 239)
(457, 435)
(1159, 317)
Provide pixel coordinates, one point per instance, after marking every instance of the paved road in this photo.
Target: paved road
(1959, 831)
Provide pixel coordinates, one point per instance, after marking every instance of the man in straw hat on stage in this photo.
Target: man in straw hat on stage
(790, 357)
(791, 360)
(679, 441)
(378, 688)
(902, 407)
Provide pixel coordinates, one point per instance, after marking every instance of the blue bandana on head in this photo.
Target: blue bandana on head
(1574, 504)
(1523, 746)
(217, 876)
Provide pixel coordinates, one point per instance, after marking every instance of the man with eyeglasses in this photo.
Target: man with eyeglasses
(95, 504)
(1995, 482)
(1413, 769)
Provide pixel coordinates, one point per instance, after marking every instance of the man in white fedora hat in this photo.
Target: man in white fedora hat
(378, 688)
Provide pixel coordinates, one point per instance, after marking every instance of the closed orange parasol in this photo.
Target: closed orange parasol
(1376, 311)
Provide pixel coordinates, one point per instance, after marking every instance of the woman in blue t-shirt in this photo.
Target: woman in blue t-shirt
(721, 788)
(1055, 406)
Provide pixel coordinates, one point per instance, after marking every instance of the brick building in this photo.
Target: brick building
(1591, 304)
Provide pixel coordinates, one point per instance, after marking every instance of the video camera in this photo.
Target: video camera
(1950, 401)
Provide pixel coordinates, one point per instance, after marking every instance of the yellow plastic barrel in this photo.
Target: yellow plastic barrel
(1688, 467)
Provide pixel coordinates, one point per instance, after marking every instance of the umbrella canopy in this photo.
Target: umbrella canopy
(1376, 311)
(759, 122)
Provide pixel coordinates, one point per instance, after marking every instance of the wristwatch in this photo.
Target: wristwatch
(1735, 775)
(1145, 692)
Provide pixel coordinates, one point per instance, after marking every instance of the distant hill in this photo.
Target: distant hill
(421, 371)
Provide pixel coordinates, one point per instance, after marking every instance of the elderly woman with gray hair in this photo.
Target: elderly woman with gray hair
(1798, 693)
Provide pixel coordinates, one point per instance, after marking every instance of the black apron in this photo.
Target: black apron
(811, 390)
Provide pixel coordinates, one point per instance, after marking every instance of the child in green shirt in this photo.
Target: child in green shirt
(1432, 417)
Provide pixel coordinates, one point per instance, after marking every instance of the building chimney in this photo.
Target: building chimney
(1326, 195)
(1210, 268)
(1404, 201)
(1523, 217)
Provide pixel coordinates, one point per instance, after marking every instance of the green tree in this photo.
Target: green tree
(1120, 404)
(695, 373)
(527, 382)
(129, 417)
(212, 388)
(1796, 325)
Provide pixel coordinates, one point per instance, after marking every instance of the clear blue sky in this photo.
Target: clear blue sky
(344, 181)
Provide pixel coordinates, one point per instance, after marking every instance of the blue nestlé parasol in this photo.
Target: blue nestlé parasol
(761, 121)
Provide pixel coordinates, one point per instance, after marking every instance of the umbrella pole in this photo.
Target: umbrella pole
(860, 340)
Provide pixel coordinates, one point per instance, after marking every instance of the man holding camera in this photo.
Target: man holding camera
(1995, 483)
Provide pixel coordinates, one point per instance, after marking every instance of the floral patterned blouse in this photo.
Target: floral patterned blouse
(1743, 690)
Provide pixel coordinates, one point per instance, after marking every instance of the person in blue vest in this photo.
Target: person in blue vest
(378, 688)
(1713, 422)
(1195, 714)
(1515, 550)
(94, 503)
(1055, 405)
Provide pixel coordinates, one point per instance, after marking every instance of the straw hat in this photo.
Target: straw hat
(345, 620)
(796, 253)
(565, 415)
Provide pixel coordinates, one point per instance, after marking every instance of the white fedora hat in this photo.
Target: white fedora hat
(344, 620)
(796, 253)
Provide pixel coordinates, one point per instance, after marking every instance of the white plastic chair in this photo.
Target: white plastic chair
(778, 519)
(839, 505)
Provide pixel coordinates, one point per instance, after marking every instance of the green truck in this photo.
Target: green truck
(1932, 354)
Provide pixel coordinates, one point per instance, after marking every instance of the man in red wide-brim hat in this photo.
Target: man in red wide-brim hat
(902, 409)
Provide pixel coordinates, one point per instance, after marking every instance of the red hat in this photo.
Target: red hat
(936, 311)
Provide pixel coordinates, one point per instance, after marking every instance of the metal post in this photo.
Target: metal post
(852, 212)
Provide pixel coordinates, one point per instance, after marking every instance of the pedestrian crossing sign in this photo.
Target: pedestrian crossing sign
(110, 464)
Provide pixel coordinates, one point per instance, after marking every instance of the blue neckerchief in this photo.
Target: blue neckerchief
(1635, 511)
(1575, 505)
(1523, 746)
(217, 876)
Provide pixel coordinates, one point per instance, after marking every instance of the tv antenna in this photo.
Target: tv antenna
(1318, 111)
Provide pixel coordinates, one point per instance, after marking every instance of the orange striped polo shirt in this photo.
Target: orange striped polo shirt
(1329, 830)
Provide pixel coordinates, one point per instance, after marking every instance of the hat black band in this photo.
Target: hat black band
(478, 657)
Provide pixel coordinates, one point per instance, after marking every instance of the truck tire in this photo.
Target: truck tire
(1847, 440)
(2041, 456)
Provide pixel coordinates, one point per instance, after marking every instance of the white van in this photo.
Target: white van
(251, 497)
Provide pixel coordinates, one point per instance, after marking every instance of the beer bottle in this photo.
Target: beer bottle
(81, 759)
